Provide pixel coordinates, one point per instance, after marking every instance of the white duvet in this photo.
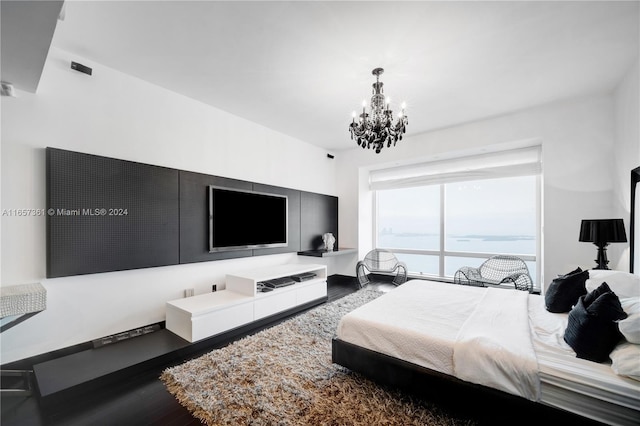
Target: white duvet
(480, 335)
(494, 348)
(412, 323)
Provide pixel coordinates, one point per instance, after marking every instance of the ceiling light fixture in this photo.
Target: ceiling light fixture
(378, 128)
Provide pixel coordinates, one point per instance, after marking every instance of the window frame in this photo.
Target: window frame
(443, 254)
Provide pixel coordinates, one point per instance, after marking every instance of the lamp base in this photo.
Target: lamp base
(602, 260)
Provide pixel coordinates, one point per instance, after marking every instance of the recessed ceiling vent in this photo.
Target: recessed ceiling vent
(82, 68)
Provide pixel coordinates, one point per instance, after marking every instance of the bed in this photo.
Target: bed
(501, 341)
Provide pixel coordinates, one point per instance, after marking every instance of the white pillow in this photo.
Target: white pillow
(625, 358)
(630, 326)
(623, 284)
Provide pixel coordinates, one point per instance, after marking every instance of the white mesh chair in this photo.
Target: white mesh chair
(19, 303)
(381, 261)
(497, 270)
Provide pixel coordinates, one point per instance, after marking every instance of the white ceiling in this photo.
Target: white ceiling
(301, 67)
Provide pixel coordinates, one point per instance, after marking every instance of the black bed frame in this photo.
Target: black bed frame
(488, 405)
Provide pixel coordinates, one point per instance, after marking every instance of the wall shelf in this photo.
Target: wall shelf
(325, 253)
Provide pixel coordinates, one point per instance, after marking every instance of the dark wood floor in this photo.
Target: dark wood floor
(141, 400)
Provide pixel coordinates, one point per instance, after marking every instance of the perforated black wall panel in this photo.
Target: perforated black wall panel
(319, 215)
(109, 215)
(194, 217)
(153, 216)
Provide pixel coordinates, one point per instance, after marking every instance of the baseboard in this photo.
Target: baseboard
(29, 362)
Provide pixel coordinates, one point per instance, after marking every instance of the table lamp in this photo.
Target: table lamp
(601, 232)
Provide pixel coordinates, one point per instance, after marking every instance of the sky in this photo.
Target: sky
(488, 207)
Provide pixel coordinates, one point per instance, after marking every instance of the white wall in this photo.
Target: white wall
(116, 115)
(626, 157)
(577, 139)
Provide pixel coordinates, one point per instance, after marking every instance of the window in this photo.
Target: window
(437, 223)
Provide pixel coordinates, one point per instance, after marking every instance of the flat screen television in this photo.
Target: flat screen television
(241, 219)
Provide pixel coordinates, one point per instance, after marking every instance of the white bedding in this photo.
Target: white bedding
(588, 388)
(493, 347)
(412, 323)
(419, 322)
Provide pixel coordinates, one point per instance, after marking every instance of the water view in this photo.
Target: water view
(514, 244)
(469, 243)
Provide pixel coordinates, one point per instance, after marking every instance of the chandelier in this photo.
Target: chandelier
(377, 129)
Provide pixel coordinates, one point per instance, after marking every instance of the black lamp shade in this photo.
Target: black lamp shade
(603, 231)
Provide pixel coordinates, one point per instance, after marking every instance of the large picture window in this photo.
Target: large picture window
(437, 225)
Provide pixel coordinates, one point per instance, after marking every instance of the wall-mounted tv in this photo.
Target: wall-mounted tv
(241, 219)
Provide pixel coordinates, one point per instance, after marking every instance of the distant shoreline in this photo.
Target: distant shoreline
(464, 238)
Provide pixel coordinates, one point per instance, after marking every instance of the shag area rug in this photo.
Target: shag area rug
(284, 376)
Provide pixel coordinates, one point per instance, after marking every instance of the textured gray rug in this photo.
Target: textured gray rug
(284, 376)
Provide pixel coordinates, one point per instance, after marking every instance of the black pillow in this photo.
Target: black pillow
(595, 293)
(592, 331)
(605, 304)
(564, 291)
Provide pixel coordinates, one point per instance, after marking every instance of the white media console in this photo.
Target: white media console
(206, 315)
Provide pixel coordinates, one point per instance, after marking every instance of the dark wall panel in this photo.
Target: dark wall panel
(194, 217)
(108, 215)
(166, 221)
(293, 197)
(319, 215)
